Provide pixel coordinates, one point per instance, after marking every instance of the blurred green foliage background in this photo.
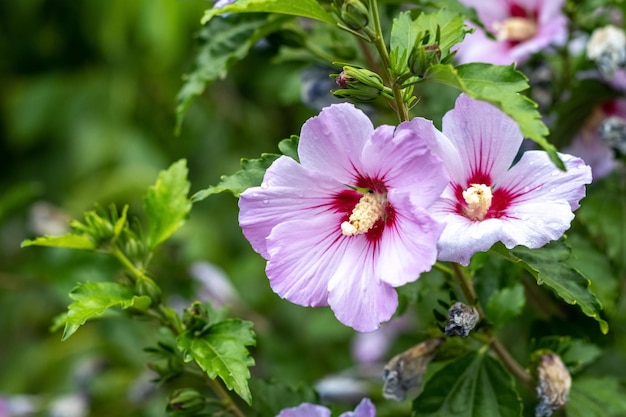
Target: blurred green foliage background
(87, 98)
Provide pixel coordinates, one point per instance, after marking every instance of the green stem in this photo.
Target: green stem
(177, 327)
(507, 359)
(379, 42)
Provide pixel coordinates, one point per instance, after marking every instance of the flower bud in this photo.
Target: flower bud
(359, 83)
(613, 132)
(196, 317)
(554, 385)
(147, 286)
(424, 54)
(461, 320)
(354, 14)
(186, 402)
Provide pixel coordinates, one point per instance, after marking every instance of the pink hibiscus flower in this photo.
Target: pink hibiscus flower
(521, 28)
(487, 199)
(349, 222)
(364, 409)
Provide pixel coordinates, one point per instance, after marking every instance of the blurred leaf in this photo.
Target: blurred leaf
(289, 147)
(273, 396)
(575, 353)
(596, 397)
(499, 85)
(92, 299)
(223, 43)
(548, 266)
(166, 203)
(603, 212)
(595, 265)
(506, 304)
(303, 8)
(405, 31)
(70, 240)
(474, 385)
(220, 350)
(250, 175)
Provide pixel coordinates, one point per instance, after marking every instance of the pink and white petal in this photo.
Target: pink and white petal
(487, 139)
(462, 237)
(477, 47)
(357, 296)
(364, 409)
(535, 223)
(403, 160)
(408, 247)
(304, 256)
(288, 192)
(332, 142)
(489, 12)
(305, 410)
(536, 179)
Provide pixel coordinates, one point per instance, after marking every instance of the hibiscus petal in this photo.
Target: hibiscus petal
(463, 237)
(305, 410)
(364, 409)
(536, 179)
(304, 255)
(289, 192)
(407, 248)
(357, 296)
(487, 140)
(390, 155)
(535, 223)
(333, 141)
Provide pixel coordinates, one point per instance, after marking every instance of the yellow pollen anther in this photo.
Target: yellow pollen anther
(478, 198)
(516, 29)
(368, 210)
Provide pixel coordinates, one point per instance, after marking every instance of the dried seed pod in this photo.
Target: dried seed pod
(554, 385)
(461, 320)
(405, 370)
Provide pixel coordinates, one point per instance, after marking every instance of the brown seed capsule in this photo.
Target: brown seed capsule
(461, 320)
(554, 385)
(405, 370)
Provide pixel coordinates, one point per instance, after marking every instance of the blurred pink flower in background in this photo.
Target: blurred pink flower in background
(521, 28)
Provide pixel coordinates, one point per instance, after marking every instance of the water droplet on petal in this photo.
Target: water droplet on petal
(265, 185)
(266, 201)
(554, 173)
(526, 189)
(553, 190)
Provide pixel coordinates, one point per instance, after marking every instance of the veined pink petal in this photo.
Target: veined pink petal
(535, 223)
(304, 255)
(485, 138)
(535, 179)
(412, 232)
(356, 295)
(463, 237)
(407, 147)
(333, 141)
(288, 192)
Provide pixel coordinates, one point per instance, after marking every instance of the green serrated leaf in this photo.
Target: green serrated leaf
(499, 85)
(272, 397)
(289, 147)
(474, 385)
(224, 42)
(604, 215)
(166, 203)
(70, 240)
(596, 397)
(506, 304)
(250, 175)
(221, 351)
(548, 266)
(304, 8)
(404, 34)
(92, 299)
